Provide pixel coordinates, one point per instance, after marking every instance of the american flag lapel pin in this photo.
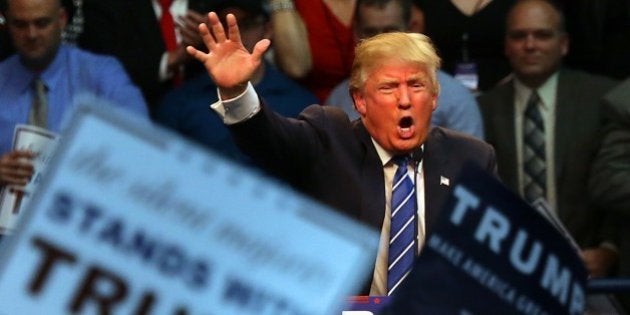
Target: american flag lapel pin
(445, 181)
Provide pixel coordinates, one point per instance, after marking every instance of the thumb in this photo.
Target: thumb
(260, 48)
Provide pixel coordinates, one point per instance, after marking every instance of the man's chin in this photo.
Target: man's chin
(406, 145)
(34, 61)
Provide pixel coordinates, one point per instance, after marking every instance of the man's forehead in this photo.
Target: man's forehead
(392, 66)
(394, 76)
(32, 9)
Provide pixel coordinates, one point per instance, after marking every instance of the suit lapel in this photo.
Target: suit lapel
(565, 112)
(505, 134)
(435, 163)
(372, 181)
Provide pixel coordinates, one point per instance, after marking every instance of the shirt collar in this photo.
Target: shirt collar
(383, 154)
(53, 73)
(50, 76)
(546, 91)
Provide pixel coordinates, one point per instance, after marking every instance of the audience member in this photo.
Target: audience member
(348, 165)
(469, 36)
(186, 109)
(73, 11)
(148, 37)
(292, 53)
(74, 27)
(544, 124)
(457, 109)
(609, 185)
(330, 40)
(35, 27)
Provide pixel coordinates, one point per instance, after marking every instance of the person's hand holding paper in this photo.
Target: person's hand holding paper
(16, 168)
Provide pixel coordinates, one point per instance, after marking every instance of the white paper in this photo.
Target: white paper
(13, 199)
(153, 222)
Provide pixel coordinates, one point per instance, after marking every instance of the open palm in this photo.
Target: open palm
(228, 63)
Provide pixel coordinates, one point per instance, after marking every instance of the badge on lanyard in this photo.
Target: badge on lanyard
(466, 69)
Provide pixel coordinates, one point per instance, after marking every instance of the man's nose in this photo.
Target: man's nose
(32, 30)
(403, 97)
(530, 41)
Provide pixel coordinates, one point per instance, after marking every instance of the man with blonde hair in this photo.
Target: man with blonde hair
(352, 166)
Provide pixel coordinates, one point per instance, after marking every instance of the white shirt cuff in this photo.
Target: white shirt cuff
(239, 108)
(163, 74)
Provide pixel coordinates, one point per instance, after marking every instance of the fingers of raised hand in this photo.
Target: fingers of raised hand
(235, 34)
(207, 38)
(216, 27)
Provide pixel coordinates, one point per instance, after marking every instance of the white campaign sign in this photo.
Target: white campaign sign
(14, 199)
(130, 219)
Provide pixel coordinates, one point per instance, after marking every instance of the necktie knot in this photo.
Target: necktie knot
(531, 111)
(401, 160)
(38, 113)
(166, 4)
(39, 85)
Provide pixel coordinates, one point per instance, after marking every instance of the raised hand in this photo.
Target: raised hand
(228, 63)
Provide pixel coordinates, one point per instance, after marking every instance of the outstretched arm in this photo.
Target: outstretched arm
(228, 63)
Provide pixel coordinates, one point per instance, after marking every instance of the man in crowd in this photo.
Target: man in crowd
(544, 124)
(46, 69)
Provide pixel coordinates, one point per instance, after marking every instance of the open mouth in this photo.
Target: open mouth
(405, 127)
(405, 122)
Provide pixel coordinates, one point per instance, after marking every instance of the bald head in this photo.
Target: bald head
(535, 41)
(36, 27)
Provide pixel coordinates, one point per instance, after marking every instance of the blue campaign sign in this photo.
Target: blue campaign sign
(491, 253)
(365, 305)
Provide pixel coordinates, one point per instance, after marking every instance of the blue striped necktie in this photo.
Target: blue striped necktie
(402, 235)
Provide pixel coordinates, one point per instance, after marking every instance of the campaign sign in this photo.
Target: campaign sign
(13, 198)
(365, 305)
(130, 219)
(491, 253)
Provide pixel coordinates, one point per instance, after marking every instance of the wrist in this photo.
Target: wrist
(279, 5)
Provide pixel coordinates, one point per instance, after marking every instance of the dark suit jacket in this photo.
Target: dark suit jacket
(130, 31)
(333, 160)
(326, 156)
(577, 138)
(609, 184)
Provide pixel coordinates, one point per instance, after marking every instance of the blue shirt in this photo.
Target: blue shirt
(187, 109)
(456, 109)
(73, 72)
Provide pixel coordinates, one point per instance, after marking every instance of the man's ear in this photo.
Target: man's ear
(63, 17)
(359, 101)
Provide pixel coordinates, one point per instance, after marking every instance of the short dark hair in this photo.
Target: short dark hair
(405, 5)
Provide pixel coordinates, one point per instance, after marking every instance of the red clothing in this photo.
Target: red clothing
(332, 47)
